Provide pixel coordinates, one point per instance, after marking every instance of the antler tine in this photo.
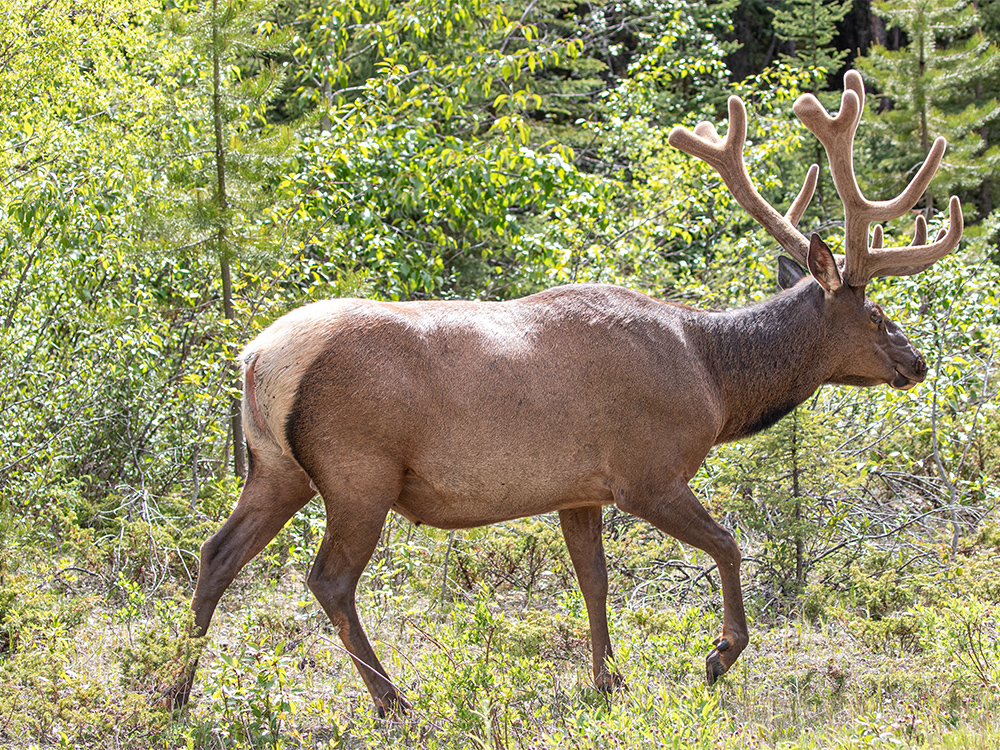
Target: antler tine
(920, 231)
(917, 257)
(706, 131)
(837, 136)
(798, 207)
(705, 142)
(725, 155)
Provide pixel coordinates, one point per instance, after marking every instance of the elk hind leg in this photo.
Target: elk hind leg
(581, 528)
(272, 494)
(353, 528)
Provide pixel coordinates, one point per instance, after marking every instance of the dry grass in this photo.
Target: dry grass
(495, 668)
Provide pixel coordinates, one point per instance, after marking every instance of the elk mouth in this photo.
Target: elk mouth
(903, 381)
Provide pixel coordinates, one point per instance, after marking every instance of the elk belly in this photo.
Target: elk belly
(461, 501)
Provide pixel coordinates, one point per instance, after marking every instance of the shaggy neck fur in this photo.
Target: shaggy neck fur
(768, 358)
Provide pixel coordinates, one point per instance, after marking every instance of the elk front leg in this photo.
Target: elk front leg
(678, 512)
(581, 528)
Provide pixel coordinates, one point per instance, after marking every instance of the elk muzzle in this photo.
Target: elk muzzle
(908, 375)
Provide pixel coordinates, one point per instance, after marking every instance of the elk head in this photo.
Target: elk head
(875, 349)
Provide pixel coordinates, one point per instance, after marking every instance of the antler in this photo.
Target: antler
(725, 155)
(863, 262)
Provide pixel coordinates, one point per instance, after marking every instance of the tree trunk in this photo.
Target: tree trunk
(924, 105)
(800, 565)
(235, 419)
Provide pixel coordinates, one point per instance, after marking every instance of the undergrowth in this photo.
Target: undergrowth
(892, 650)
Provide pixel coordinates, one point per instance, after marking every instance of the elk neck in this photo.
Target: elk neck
(768, 358)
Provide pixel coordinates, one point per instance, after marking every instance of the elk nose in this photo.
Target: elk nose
(911, 373)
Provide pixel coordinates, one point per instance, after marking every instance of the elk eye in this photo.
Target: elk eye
(877, 318)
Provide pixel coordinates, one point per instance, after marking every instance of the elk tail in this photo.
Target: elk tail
(251, 405)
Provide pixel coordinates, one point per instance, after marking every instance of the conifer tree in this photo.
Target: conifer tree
(938, 84)
(778, 483)
(220, 148)
(809, 26)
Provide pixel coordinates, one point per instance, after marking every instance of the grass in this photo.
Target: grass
(888, 657)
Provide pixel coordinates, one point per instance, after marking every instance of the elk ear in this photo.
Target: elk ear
(790, 273)
(822, 265)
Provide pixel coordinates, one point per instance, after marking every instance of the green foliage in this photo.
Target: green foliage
(214, 169)
(423, 177)
(536, 564)
(53, 693)
(937, 85)
(686, 237)
(950, 313)
(454, 168)
(213, 183)
(71, 149)
(792, 487)
(252, 691)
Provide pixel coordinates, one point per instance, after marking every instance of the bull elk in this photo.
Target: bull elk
(458, 414)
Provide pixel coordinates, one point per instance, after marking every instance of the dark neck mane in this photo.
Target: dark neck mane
(766, 359)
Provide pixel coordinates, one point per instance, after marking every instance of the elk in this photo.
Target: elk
(459, 414)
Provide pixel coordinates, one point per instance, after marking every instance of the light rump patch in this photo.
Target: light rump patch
(256, 420)
(273, 364)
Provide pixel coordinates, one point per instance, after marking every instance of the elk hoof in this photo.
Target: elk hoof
(176, 696)
(610, 683)
(714, 668)
(391, 704)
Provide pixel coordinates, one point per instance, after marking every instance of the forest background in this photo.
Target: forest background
(176, 174)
